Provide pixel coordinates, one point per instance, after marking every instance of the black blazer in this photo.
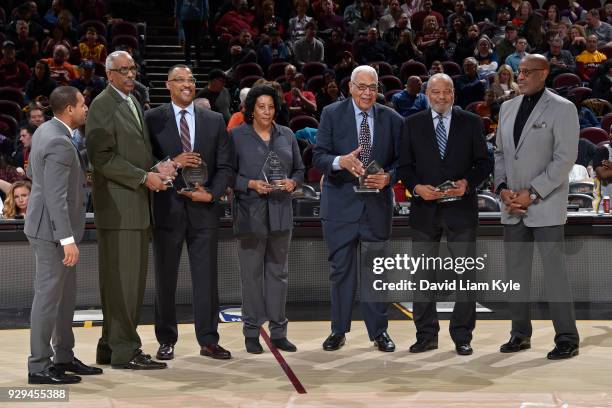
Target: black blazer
(465, 157)
(215, 148)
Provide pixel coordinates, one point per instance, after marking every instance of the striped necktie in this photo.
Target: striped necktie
(185, 138)
(441, 135)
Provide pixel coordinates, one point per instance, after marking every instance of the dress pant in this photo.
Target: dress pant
(343, 240)
(202, 251)
(51, 333)
(518, 247)
(461, 243)
(123, 259)
(263, 275)
(192, 30)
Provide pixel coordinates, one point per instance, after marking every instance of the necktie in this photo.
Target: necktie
(185, 138)
(441, 136)
(130, 103)
(364, 140)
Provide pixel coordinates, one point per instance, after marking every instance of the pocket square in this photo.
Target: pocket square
(539, 125)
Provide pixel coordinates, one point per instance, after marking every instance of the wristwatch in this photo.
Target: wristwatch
(533, 195)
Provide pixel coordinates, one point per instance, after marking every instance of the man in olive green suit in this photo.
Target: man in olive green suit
(119, 148)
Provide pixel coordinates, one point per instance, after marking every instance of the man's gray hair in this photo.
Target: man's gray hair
(110, 60)
(366, 69)
(442, 77)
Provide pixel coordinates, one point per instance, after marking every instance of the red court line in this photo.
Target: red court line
(283, 363)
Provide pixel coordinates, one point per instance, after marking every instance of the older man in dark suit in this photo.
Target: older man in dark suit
(192, 137)
(351, 135)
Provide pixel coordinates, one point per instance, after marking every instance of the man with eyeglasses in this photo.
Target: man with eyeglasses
(192, 137)
(353, 133)
(537, 145)
(119, 149)
(438, 145)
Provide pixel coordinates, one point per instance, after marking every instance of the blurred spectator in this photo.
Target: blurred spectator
(16, 203)
(507, 45)
(89, 79)
(61, 70)
(601, 29)
(65, 22)
(29, 53)
(193, 17)
(242, 49)
(24, 12)
(608, 11)
(352, 12)
(389, 19)
(460, 11)
(416, 21)
(468, 87)
(487, 60)
(392, 35)
(410, 100)
(21, 35)
(374, 49)
(273, 50)
(328, 19)
(552, 18)
(266, 21)
(57, 38)
(483, 109)
(52, 14)
(92, 49)
(217, 93)
(335, 47)
(499, 29)
(91, 10)
(586, 152)
(237, 19)
(437, 50)
(9, 173)
(601, 81)
(141, 93)
(237, 118)
(297, 24)
(466, 45)
(12, 72)
(329, 94)
(520, 52)
(504, 87)
(345, 67)
(430, 33)
(589, 59)
(458, 30)
(309, 48)
(411, 6)
(586, 117)
(366, 21)
(577, 40)
(299, 100)
(282, 116)
(573, 13)
(406, 49)
(290, 71)
(40, 83)
(35, 116)
(531, 26)
(21, 156)
(202, 103)
(561, 61)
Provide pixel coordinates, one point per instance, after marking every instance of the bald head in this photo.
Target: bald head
(532, 73)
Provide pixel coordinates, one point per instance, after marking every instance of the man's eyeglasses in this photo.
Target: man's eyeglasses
(527, 72)
(125, 70)
(363, 87)
(183, 80)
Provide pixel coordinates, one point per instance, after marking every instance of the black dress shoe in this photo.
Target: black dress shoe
(563, 351)
(76, 366)
(215, 351)
(252, 345)
(515, 345)
(284, 344)
(334, 341)
(384, 342)
(464, 349)
(424, 345)
(165, 352)
(52, 376)
(141, 362)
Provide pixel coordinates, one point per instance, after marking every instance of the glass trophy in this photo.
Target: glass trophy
(273, 171)
(372, 168)
(194, 176)
(166, 168)
(447, 185)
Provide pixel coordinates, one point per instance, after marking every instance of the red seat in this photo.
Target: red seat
(124, 28)
(11, 124)
(248, 81)
(389, 94)
(606, 122)
(11, 94)
(451, 68)
(302, 121)
(247, 69)
(579, 93)
(11, 108)
(98, 25)
(566, 79)
(311, 69)
(472, 106)
(276, 69)
(390, 82)
(307, 156)
(410, 68)
(315, 83)
(607, 49)
(595, 135)
(313, 175)
(128, 40)
(344, 86)
(384, 68)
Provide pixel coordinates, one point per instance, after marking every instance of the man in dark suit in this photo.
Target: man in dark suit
(439, 144)
(119, 149)
(352, 133)
(191, 137)
(54, 225)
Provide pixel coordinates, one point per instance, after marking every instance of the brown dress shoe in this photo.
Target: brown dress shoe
(215, 351)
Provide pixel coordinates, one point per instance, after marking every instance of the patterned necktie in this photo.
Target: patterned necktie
(364, 140)
(130, 103)
(185, 138)
(441, 136)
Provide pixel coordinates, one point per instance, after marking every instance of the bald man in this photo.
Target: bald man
(537, 145)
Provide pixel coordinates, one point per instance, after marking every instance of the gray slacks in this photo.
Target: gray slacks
(263, 275)
(51, 333)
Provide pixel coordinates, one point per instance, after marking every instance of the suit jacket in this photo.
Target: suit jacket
(336, 136)
(251, 154)
(119, 149)
(465, 157)
(216, 150)
(56, 208)
(546, 152)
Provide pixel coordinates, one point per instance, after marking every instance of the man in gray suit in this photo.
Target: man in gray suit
(537, 144)
(54, 225)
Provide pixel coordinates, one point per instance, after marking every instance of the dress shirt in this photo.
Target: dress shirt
(527, 104)
(189, 117)
(358, 120)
